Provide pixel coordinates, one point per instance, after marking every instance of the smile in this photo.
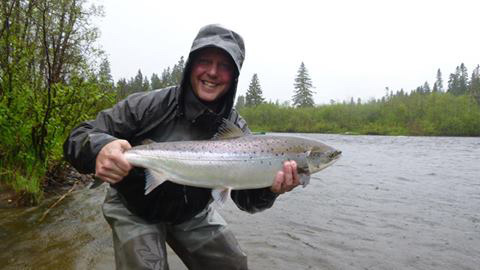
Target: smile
(209, 84)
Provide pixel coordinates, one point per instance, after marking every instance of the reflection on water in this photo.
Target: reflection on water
(389, 203)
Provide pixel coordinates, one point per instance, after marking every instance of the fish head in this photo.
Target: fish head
(321, 156)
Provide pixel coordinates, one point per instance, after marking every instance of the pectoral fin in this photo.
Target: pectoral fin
(154, 178)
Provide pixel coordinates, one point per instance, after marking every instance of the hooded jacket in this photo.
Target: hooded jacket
(170, 114)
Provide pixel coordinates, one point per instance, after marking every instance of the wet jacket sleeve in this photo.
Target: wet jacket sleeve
(119, 122)
(251, 200)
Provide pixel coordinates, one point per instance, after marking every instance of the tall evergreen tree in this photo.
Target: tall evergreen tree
(454, 82)
(303, 89)
(166, 77)
(254, 94)
(122, 89)
(240, 102)
(438, 85)
(137, 82)
(105, 80)
(426, 88)
(104, 73)
(155, 81)
(474, 87)
(146, 84)
(463, 79)
(177, 71)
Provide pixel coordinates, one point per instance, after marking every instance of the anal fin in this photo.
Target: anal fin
(304, 179)
(220, 196)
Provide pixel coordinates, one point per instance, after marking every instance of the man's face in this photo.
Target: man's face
(212, 74)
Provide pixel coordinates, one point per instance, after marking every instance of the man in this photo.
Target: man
(173, 213)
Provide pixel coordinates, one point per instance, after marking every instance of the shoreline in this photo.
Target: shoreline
(57, 183)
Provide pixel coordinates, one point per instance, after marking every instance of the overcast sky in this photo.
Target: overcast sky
(351, 48)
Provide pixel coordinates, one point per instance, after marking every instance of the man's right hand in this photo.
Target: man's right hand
(111, 165)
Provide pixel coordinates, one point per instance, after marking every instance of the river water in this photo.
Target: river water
(388, 203)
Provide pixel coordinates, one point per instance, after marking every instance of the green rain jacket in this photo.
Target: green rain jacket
(170, 114)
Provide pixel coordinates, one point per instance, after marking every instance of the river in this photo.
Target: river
(388, 203)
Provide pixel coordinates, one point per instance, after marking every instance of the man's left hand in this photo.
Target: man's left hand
(287, 179)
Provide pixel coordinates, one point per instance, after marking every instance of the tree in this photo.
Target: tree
(438, 85)
(137, 82)
(458, 81)
(104, 76)
(254, 93)
(50, 80)
(426, 88)
(463, 79)
(474, 87)
(155, 81)
(177, 72)
(240, 102)
(454, 82)
(303, 88)
(145, 84)
(122, 89)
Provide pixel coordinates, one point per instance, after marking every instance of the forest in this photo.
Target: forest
(53, 76)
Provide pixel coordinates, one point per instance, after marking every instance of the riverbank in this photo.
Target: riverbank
(57, 182)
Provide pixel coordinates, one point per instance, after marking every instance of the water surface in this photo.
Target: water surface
(389, 203)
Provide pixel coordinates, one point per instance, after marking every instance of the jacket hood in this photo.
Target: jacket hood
(217, 36)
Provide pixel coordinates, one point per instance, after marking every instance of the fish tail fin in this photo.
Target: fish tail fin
(220, 196)
(153, 179)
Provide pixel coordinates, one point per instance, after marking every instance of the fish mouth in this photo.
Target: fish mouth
(335, 154)
(322, 161)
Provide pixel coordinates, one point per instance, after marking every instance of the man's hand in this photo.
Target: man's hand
(111, 165)
(287, 179)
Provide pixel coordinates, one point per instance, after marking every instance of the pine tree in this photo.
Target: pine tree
(474, 87)
(137, 82)
(463, 79)
(240, 102)
(105, 79)
(426, 88)
(146, 84)
(122, 89)
(177, 72)
(438, 85)
(155, 81)
(303, 85)
(104, 73)
(254, 93)
(454, 82)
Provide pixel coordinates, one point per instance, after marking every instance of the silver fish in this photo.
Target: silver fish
(233, 160)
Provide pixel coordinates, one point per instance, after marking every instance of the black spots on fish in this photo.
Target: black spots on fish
(269, 163)
(303, 170)
(261, 161)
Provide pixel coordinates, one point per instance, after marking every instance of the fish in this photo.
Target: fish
(231, 160)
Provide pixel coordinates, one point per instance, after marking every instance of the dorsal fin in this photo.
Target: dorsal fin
(228, 130)
(147, 141)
